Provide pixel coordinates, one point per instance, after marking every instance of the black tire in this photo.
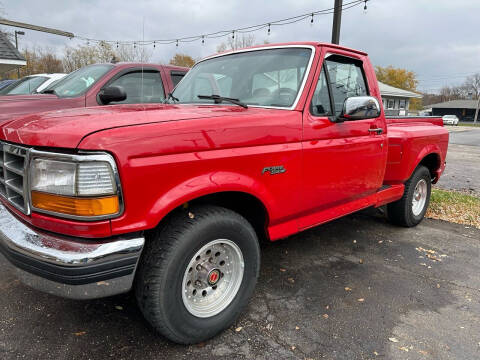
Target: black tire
(167, 253)
(400, 212)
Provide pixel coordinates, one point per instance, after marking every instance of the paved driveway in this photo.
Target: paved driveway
(350, 289)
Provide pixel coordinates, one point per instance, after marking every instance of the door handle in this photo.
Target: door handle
(377, 130)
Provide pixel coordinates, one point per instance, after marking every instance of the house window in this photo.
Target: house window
(402, 104)
(390, 104)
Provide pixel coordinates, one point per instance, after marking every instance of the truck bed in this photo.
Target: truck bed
(411, 139)
(434, 120)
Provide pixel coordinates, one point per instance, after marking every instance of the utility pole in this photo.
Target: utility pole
(476, 111)
(337, 21)
(16, 46)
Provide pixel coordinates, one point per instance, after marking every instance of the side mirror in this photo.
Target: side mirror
(111, 94)
(359, 108)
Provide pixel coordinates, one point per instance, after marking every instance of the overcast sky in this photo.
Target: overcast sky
(437, 39)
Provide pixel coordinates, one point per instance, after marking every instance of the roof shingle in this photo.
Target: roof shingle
(8, 51)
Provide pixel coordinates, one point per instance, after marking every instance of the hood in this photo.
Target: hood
(66, 128)
(12, 106)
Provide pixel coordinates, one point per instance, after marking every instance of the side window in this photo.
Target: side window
(346, 79)
(176, 77)
(321, 99)
(141, 89)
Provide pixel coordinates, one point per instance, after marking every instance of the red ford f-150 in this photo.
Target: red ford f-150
(96, 85)
(172, 199)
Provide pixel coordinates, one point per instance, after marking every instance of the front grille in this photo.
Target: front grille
(13, 176)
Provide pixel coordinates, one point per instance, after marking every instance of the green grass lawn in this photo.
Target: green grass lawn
(470, 124)
(455, 207)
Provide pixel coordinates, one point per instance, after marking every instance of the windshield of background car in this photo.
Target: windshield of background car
(79, 81)
(270, 77)
(25, 86)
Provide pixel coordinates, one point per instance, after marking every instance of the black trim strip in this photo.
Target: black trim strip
(71, 275)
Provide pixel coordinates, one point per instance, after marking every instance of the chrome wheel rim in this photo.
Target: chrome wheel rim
(212, 278)
(419, 197)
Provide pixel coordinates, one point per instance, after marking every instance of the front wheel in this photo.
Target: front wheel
(410, 210)
(197, 273)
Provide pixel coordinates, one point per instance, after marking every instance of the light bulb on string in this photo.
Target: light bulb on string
(233, 34)
(311, 20)
(268, 32)
(134, 45)
(154, 44)
(203, 39)
(365, 7)
(176, 44)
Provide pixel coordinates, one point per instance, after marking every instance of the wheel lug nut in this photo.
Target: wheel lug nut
(199, 267)
(198, 283)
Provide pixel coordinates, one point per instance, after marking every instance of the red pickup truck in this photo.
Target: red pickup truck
(172, 199)
(99, 84)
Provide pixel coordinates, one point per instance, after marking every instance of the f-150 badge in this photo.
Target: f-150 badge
(274, 170)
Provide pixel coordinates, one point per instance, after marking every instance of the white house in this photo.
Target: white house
(396, 101)
(10, 58)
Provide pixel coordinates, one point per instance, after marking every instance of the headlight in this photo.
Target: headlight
(77, 186)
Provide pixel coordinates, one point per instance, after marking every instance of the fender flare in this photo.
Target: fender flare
(208, 184)
(427, 150)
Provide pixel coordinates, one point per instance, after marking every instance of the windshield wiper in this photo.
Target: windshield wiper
(219, 99)
(170, 96)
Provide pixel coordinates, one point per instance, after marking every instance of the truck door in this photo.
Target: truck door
(342, 161)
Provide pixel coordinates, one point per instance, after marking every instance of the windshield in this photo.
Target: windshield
(270, 77)
(79, 81)
(27, 85)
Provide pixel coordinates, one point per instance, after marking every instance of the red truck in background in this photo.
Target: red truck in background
(172, 199)
(96, 85)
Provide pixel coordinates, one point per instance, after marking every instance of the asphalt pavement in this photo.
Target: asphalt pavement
(356, 288)
(463, 161)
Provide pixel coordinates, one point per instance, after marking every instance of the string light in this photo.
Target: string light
(134, 45)
(223, 33)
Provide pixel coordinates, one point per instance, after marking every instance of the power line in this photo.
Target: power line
(230, 32)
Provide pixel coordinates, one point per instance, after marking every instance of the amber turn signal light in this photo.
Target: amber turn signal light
(99, 206)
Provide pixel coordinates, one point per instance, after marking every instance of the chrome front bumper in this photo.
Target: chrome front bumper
(66, 266)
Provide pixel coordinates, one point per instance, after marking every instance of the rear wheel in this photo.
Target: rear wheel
(411, 208)
(197, 273)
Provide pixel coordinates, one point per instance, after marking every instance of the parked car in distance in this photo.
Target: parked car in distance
(31, 84)
(98, 85)
(450, 119)
(172, 199)
(4, 83)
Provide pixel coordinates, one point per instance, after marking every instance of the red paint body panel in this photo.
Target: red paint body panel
(20, 105)
(171, 154)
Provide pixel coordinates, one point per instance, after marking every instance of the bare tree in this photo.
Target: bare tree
(40, 60)
(238, 42)
(132, 53)
(472, 85)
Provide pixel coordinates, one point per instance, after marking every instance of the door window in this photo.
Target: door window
(140, 89)
(321, 99)
(346, 79)
(176, 77)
